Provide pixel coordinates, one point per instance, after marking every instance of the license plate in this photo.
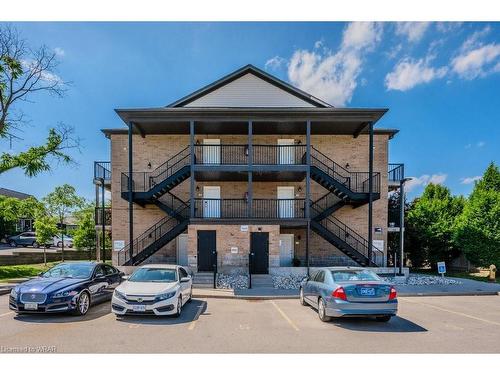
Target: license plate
(367, 291)
(31, 306)
(139, 308)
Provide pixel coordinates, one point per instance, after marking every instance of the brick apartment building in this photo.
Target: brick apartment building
(249, 171)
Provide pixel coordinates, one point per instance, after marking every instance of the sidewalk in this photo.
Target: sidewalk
(466, 288)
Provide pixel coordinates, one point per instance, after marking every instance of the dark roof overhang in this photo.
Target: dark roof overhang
(351, 121)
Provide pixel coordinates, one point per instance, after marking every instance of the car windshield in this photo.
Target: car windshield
(70, 270)
(354, 275)
(158, 275)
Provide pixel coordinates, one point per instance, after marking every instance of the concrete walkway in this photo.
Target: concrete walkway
(466, 288)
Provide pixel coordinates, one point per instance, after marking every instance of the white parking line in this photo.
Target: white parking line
(197, 316)
(453, 312)
(9, 313)
(282, 313)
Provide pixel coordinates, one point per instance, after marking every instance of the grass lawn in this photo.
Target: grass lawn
(482, 275)
(26, 270)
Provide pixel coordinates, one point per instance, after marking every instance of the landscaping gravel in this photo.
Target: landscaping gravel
(287, 281)
(422, 280)
(232, 281)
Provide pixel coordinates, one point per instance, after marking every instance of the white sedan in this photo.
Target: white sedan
(153, 289)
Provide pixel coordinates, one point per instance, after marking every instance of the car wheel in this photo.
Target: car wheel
(384, 318)
(82, 304)
(13, 244)
(36, 245)
(190, 295)
(301, 297)
(59, 244)
(179, 307)
(322, 311)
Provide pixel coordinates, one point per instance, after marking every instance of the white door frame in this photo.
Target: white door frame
(211, 151)
(286, 208)
(286, 261)
(184, 237)
(211, 208)
(286, 155)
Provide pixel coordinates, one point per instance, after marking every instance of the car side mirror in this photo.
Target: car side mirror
(122, 274)
(305, 279)
(124, 277)
(185, 279)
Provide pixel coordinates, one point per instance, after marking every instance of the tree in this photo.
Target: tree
(478, 228)
(25, 72)
(84, 235)
(62, 202)
(431, 223)
(13, 209)
(46, 229)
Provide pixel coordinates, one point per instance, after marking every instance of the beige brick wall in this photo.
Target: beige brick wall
(156, 149)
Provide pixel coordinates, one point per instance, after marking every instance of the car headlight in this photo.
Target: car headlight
(65, 293)
(13, 293)
(164, 296)
(119, 295)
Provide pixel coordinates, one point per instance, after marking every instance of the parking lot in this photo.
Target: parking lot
(424, 325)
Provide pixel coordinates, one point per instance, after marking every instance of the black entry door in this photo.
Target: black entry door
(206, 250)
(259, 246)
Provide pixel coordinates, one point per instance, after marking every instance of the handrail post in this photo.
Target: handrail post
(191, 147)
(308, 190)
(250, 270)
(215, 269)
(370, 193)
(130, 193)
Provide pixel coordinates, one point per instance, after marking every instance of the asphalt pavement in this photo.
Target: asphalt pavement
(424, 325)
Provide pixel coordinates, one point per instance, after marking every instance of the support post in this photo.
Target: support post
(308, 190)
(130, 193)
(250, 167)
(401, 224)
(103, 212)
(370, 193)
(191, 147)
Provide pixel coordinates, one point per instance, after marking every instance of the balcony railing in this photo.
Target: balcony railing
(239, 154)
(99, 215)
(396, 171)
(206, 208)
(102, 170)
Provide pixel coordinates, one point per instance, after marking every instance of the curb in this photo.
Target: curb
(243, 297)
(450, 294)
(5, 291)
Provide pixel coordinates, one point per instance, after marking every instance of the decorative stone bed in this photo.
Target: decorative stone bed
(234, 281)
(418, 279)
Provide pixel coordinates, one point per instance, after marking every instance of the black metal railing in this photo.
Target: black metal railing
(395, 171)
(147, 238)
(206, 208)
(357, 182)
(145, 181)
(98, 216)
(278, 154)
(348, 236)
(221, 154)
(175, 204)
(326, 201)
(102, 170)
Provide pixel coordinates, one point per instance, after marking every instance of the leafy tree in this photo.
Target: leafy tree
(478, 228)
(46, 229)
(62, 202)
(25, 72)
(84, 235)
(13, 209)
(431, 223)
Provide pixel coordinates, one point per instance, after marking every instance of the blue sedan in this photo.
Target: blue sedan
(349, 292)
(67, 287)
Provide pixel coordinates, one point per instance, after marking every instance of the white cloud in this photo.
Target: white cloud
(467, 146)
(469, 180)
(332, 76)
(481, 143)
(424, 180)
(59, 52)
(275, 63)
(409, 73)
(446, 27)
(477, 62)
(318, 44)
(413, 31)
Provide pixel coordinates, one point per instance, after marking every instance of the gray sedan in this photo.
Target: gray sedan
(349, 291)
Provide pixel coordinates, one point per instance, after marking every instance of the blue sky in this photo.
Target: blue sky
(440, 82)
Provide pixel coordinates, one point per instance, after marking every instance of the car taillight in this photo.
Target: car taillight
(339, 293)
(393, 294)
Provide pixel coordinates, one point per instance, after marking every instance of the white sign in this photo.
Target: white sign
(379, 244)
(441, 268)
(118, 245)
(234, 250)
(244, 228)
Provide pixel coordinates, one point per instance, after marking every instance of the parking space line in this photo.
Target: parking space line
(9, 313)
(282, 313)
(453, 312)
(197, 316)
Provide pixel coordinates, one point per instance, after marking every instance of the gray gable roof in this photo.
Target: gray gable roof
(13, 194)
(257, 72)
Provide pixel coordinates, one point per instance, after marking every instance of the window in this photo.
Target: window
(182, 272)
(99, 272)
(354, 275)
(320, 277)
(158, 275)
(108, 270)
